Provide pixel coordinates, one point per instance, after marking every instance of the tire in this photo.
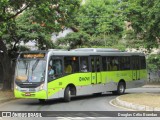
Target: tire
(42, 100)
(120, 89)
(67, 94)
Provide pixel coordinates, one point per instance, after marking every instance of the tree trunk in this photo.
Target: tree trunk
(7, 77)
(6, 66)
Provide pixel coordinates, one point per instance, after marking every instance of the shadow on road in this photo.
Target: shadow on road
(77, 98)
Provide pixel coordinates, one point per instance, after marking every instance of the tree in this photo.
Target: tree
(97, 17)
(47, 16)
(74, 40)
(23, 30)
(102, 20)
(153, 62)
(132, 40)
(144, 17)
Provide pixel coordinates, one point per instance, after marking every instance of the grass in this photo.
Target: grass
(147, 99)
(6, 94)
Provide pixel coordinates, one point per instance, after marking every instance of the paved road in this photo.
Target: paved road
(85, 103)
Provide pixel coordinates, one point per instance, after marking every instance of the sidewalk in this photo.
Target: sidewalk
(151, 86)
(140, 101)
(6, 95)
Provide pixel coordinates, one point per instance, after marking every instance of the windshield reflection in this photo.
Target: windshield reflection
(30, 70)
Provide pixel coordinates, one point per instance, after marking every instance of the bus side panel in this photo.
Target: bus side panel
(137, 82)
(99, 77)
(113, 78)
(104, 77)
(82, 82)
(143, 74)
(58, 86)
(116, 76)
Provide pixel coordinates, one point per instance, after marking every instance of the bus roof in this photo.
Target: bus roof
(96, 51)
(87, 52)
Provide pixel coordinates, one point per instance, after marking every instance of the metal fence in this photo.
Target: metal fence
(153, 77)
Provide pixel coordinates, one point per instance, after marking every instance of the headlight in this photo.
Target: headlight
(16, 87)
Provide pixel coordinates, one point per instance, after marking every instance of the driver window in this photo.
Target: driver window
(54, 69)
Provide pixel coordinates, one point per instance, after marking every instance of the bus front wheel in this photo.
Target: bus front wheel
(42, 100)
(67, 94)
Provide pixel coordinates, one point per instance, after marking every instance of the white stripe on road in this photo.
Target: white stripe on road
(70, 118)
(80, 118)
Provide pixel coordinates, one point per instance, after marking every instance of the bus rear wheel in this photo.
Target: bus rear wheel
(120, 89)
(67, 94)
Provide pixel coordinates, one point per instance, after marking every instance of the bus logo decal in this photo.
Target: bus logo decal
(84, 78)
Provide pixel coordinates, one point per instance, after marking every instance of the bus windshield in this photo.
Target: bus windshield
(30, 70)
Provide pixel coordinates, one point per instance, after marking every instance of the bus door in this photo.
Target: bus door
(95, 69)
(135, 62)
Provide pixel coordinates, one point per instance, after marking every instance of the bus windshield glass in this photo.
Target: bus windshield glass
(30, 70)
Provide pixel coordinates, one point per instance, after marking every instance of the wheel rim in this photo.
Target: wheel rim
(121, 88)
(69, 93)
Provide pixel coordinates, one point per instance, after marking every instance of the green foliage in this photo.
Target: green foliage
(104, 40)
(97, 17)
(11, 8)
(132, 40)
(144, 16)
(74, 40)
(153, 62)
(101, 20)
(23, 20)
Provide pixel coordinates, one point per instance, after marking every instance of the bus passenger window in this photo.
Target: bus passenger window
(83, 64)
(68, 68)
(98, 65)
(124, 63)
(112, 63)
(143, 62)
(71, 65)
(113, 66)
(57, 66)
(105, 64)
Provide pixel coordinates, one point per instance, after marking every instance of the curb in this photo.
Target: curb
(151, 86)
(118, 106)
(136, 106)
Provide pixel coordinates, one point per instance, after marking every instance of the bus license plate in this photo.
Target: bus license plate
(27, 94)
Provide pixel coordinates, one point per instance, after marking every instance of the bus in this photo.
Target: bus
(64, 74)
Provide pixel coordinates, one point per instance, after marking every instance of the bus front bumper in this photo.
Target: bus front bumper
(37, 95)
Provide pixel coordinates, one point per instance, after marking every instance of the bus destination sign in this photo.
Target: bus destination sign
(33, 55)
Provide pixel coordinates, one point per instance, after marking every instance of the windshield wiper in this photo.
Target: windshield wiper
(35, 65)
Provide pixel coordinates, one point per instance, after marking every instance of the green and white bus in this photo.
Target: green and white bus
(63, 74)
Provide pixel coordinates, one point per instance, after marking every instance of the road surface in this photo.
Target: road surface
(82, 103)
